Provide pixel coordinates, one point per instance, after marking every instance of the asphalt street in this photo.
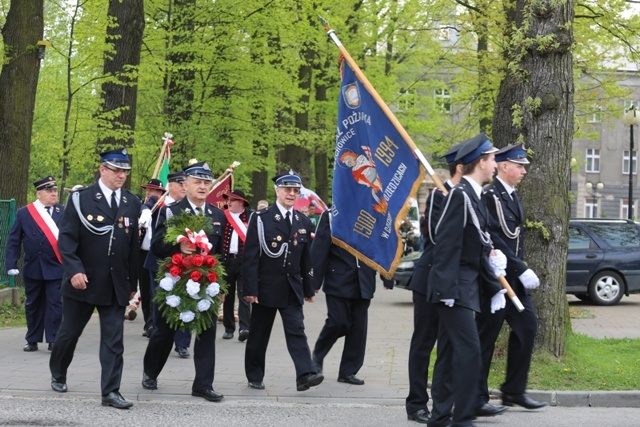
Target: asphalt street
(26, 397)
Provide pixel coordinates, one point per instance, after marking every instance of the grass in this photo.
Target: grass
(12, 316)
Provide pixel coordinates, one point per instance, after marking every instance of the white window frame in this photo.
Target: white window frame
(595, 116)
(592, 160)
(629, 102)
(443, 99)
(625, 162)
(624, 208)
(591, 207)
(406, 99)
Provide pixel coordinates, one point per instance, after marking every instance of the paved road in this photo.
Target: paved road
(26, 397)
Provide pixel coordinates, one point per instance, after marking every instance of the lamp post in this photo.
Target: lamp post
(593, 190)
(631, 118)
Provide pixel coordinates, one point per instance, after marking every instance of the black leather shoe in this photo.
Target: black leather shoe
(60, 387)
(421, 416)
(227, 335)
(148, 382)
(183, 352)
(50, 346)
(351, 379)
(211, 395)
(116, 400)
(521, 400)
(243, 335)
(258, 385)
(30, 346)
(488, 410)
(308, 380)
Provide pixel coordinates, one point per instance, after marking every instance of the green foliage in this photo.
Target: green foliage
(178, 224)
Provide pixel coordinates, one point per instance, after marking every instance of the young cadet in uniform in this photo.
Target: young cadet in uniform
(197, 183)
(99, 247)
(461, 265)
(276, 266)
(35, 231)
(506, 226)
(349, 286)
(425, 319)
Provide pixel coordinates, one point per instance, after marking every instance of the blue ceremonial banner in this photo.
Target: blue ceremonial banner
(375, 173)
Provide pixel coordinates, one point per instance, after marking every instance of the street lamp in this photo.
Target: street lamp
(631, 118)
(594, 188)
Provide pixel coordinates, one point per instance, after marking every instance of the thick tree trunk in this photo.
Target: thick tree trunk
(535, 106)
(18, 83)
(120, 93)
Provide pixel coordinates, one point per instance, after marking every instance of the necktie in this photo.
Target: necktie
(48, 208)
(114, 204)
(288, 219)
(197, 210)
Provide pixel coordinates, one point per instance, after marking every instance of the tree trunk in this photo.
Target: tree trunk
(120, 92)
(535, 106)
(18, 83)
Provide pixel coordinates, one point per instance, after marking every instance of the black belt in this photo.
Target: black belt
(233, 256)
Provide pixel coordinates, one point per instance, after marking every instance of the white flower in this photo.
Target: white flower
(193, 288)
(187, 316)
(204, 304)
(173, 300)
(167, 284)
(173, 278)
(213, 289)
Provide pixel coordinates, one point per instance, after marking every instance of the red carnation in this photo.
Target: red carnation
(198, 260)
(210, 261)
(175, 270)
(196, 275)
(187, 262)
(176, 259)
(212, 276)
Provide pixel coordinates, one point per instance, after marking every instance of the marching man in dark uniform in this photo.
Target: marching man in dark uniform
(461, 265)
(506, 226)
(425, 319)
(349, 287)
(235, 234)
(36, 232)
(197, 183)
(277, 278)
(99, 247)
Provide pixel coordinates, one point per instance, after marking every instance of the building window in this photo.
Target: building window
(629, 102)
(593, 160)
(595, 115)
(406, 99)
(624, 208)
(444, 33)
(591, 208)
(625, 162)
(443, 100)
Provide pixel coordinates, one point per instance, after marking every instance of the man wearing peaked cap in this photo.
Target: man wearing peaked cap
(99, 247)
(506, 225)
(199, 170)
(277, 270)
(235, 233)
(425, 319)
(35, 231)
(461, 268)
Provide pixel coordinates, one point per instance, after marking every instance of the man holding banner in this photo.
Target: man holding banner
(36, 231)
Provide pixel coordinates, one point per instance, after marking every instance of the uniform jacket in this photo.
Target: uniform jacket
(340, 271)
(271, 279)
(161, 249)
(460, 260)
(513, 218)
(40, 261)
(85, 252)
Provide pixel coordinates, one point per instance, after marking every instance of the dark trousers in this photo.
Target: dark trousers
(348, 318)
(457, 370)
(181, 338)
(423, 339)
(204, 354)
(262, 318)
(75, 316)
(521, 341)
(233, 276)
(146, 291)
(43, 309)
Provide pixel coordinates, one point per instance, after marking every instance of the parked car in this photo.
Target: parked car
(603, 261)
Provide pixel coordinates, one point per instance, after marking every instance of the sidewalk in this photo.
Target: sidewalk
(385, 368)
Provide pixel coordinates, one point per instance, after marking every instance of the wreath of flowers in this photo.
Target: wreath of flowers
(190, 286)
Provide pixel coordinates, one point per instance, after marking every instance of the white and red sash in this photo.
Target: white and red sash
(237, 224)
(48, 227)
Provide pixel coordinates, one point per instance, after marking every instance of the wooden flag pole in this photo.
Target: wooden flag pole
(216, 182)
(167, 141)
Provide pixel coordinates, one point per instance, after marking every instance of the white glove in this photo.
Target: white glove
(529, 279)
(498, 262)
(13, 272)
(448, 302)
(498, 301)
(145, 216)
